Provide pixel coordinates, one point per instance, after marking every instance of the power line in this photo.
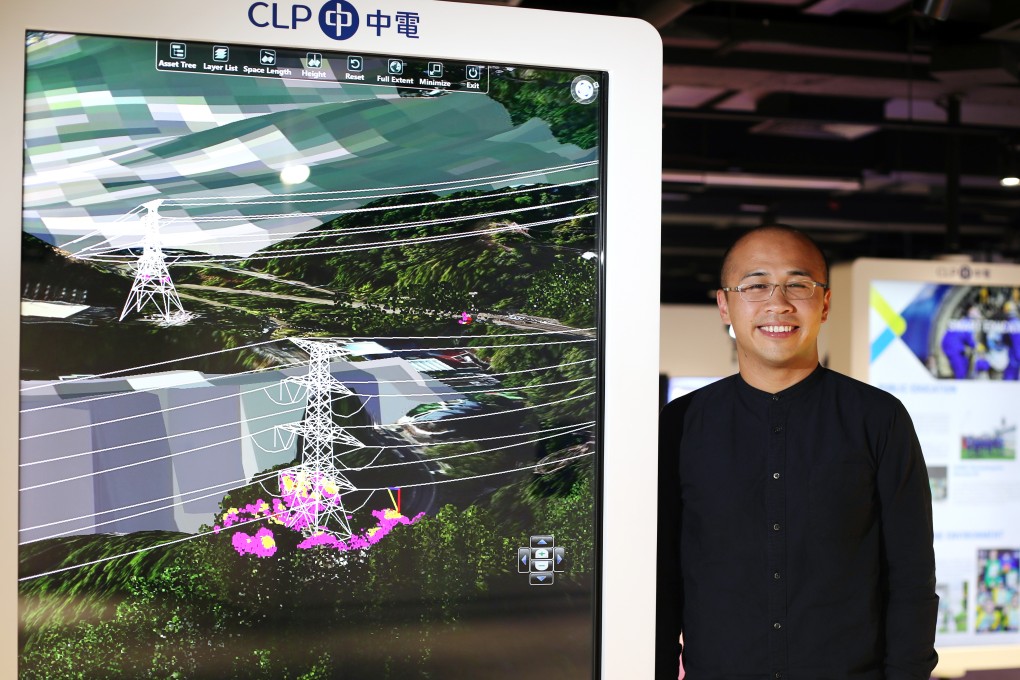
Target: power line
(96, 473)
(493, 388)
(396, 226)
(428, 378)
(277, 340)
(138, 551)
(206, 446)
(84, 252)
(258, 519)
(152, 365)
(98, 249)
(487, 474)
(524, 174)
(328, 250)
(116, 395)
(254, 480)
(557, 431)
(484, 390)
(578, 428)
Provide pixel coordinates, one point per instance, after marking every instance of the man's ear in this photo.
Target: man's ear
(724, 308)
(825, 305)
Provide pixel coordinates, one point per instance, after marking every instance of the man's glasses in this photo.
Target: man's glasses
(792, 290)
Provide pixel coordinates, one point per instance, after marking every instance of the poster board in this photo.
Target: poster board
(944, 338)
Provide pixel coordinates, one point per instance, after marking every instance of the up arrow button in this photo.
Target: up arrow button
(541, 541)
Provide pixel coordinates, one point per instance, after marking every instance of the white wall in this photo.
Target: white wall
(693, 342)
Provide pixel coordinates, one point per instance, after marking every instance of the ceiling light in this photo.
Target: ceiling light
(1010, 181)
(735, 179)
(937, 9)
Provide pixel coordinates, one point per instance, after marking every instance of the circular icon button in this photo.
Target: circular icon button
(584, 90)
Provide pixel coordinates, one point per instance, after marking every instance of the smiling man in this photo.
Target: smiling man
(795, 534)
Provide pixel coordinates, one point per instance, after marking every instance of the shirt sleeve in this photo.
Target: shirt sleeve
(908, 557)
(669, 584)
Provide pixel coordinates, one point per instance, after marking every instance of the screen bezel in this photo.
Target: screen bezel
(630, 266)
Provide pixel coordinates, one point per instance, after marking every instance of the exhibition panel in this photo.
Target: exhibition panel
(322, 321)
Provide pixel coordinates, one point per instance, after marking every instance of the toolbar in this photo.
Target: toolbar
(370, 69)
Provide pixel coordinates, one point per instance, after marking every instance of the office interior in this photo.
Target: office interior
(883, 128)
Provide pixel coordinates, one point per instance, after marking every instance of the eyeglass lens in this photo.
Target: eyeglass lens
(794, 290)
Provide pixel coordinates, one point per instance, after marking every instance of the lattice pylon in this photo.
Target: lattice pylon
(318, 469)
(152, 284)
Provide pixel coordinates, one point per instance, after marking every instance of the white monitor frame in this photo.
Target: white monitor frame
(629, 50)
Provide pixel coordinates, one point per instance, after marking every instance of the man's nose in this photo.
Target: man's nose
(779, 299)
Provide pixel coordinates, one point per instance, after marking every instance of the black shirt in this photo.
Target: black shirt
(795, 535)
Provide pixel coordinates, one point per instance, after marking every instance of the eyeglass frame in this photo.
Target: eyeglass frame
(742, 287)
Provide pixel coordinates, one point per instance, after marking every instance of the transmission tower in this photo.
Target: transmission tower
(319, 501)
(152, 282)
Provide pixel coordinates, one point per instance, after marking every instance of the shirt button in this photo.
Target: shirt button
(778, 675)
(776, 575)
(775, 397)
(777, 429)
(777, 625)
(775, 475)
(775, 527)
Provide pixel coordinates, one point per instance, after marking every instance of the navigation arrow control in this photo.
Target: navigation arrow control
(542, 560)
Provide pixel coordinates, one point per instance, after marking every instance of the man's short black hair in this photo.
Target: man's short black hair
(777, 227)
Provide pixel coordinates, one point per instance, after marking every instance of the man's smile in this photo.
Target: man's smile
(778, 330)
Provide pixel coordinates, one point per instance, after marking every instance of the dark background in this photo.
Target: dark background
(919, 100)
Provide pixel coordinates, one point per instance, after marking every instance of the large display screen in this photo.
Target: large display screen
(951, 353)
(309, 365)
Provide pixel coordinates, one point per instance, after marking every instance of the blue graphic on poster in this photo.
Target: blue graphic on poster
(958, 332)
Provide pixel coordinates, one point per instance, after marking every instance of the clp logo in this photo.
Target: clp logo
(338, 19)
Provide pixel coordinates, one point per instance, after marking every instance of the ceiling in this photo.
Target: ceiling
(881, 127)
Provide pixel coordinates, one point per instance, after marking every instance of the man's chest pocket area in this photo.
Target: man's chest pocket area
(841, 497)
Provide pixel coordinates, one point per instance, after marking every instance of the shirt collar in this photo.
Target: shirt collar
(805, 386)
